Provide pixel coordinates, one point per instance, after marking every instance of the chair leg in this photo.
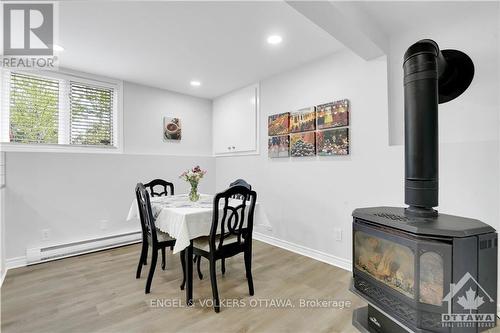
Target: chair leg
(163, 259)
(183, 263)
(154, 257)
(248, 268)
(223, 266)
(189, 274)
(142, 259)
(198, 266)
(146, 248)
(213, 280)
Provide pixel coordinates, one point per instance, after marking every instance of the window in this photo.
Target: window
(34, 109)
(57, 109)
(91, 110)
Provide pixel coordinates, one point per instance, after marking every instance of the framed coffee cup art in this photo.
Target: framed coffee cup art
(172, 129)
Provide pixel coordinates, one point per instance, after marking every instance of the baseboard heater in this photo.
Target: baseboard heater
(38, 255)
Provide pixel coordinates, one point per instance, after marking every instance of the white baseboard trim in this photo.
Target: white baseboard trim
(15, 263)
(305, 251)
(3, 277)
(120, 240)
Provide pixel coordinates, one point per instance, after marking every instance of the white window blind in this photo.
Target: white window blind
(34, 109)
(91, 115)
(58, 109)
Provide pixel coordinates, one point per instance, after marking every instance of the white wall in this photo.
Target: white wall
(144, 109)
(2, 217)
(71, 193)
(306, 198)
(474, 116)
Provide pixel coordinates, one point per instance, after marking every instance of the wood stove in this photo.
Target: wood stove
(419, 270)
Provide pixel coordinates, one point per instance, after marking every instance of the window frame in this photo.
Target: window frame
(64, 113)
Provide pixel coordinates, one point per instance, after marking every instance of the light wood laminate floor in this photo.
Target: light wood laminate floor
(98, 292)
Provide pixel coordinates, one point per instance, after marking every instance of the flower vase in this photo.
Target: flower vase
(193, 194)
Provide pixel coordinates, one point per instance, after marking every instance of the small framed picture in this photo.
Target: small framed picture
(335, 114)
(172, 129)
(277, 124)
(278, 146)
(303, 144)
(303, 120)
(333, 142)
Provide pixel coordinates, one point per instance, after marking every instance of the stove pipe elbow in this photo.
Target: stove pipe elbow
(431, 77)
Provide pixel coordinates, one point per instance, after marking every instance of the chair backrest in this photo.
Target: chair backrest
(145, 212)
(165, 188)
(240, 182)
(232, 217)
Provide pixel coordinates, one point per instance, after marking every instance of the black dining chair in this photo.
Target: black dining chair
(156, 239)
(230, 234)
(158, 188)
(237, 182)
(240, 182)
(166, 188)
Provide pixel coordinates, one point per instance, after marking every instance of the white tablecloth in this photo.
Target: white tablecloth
(185, 220)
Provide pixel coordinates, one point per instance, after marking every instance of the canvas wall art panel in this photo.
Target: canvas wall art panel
(333, 142)
(335, 114)
(277, 124)
(303, 120)
(279, 146)
(303, 144)
(172, 129)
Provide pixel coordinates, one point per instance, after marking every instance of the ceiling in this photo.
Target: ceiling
(168, 44)
(398, 16)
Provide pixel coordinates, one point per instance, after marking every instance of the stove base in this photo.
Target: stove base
(389, 324)
(360, 319)
(369, 320)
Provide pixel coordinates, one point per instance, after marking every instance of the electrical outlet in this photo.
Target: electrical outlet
(45, 234)
(104, 224)
(338, 234)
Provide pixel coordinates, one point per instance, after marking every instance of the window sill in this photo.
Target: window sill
(27, 148)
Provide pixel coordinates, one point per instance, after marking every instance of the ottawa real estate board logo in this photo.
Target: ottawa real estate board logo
(468, 304)
(28, 35)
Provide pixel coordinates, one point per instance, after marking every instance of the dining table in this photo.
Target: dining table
(186, 220)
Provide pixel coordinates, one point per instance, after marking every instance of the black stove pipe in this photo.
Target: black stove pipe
(430, 77)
